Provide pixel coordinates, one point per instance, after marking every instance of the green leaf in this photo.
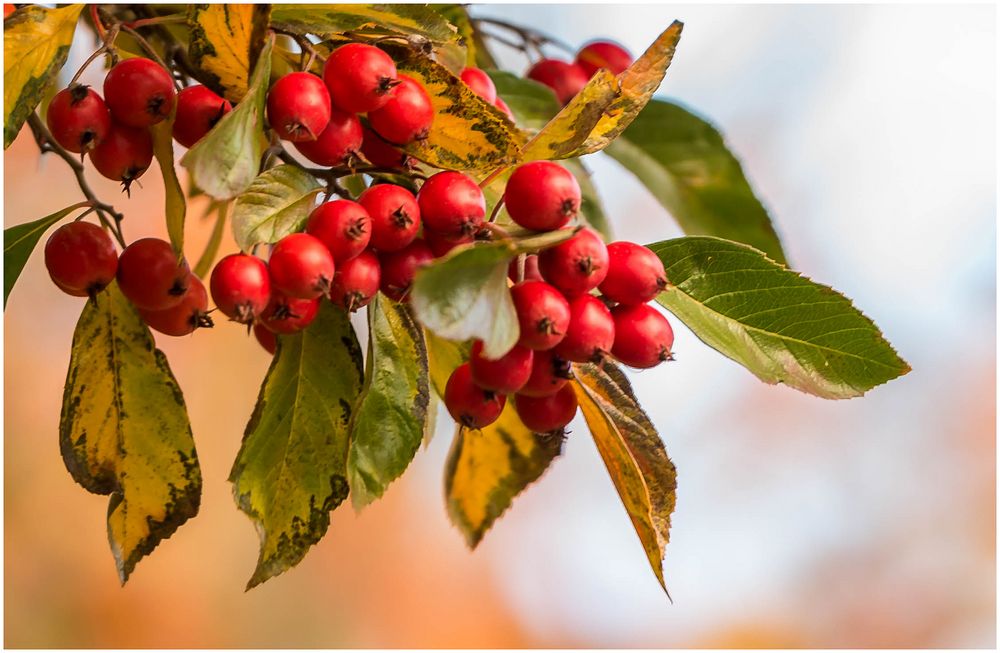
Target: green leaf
(19, 242)
(163, 148)
(533, 104)
(204, 264)
(685, 164)
(778, 324)
(291, 470)
(390, 418)
(36, 42)
(458, 16)
(633, 454)
(124, 429)
(277, 203)
(227, 159)
(464, 295)
(591, 207)
(226, 40)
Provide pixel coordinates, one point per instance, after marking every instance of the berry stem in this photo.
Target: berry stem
(151, 51)
(158, 20)
(306, 46)
(530, 37)
(107, 45)
(496, 210)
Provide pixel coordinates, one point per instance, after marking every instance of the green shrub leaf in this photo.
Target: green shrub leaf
(19, 242)
(163, 148)
(277, 203)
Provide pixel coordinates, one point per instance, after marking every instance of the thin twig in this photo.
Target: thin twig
(305, 45)
(158, 20)
(529, 36)
(107, 45)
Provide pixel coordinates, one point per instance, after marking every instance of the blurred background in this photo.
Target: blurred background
(870, 134)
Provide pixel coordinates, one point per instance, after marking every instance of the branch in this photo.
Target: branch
(530, 37)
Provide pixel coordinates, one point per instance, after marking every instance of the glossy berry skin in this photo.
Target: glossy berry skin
(80, 258)
(382, 154)
(184, 318)
(542, 312)
(504, 375)
(407, 116)
(241, 287)
(78, 119)
(72, 292)
(139, 92)
(150, 275)
(285, 314)
(542, 195)
(301, 266)
(338, 144)
(470, 405)
(298, 107)
(643, 337)
(603, 54)
(395, 216)
(531, 271)
(356, 281)
(266, 338)
(400, 267)
(591, 332)
(343, 226)
(360, 78)
(441, 244)
(577, 265)
(452, 204)
(635, 274)
(547, 414)
(124, 154)
(500, 104)
(565, 79)
(480, 83)
(198, 110)
(549, 373)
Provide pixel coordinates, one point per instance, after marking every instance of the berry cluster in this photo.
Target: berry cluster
(566, 79)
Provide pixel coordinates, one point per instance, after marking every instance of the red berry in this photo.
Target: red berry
(395, 216)
(549, 373)
(382, 154)
(399, 268)
(565, 79)
(301, 267)
(531, 271)
(356, 281)
(643, 337)
(500, 104)
(338, 144)
(80, 258)
(441, 244)
(546, 414)
(407, 116)
(603, 54)
(452, 204)
(343, 226)
(139, 92)
(542, 312)
(542, 196)
(591, 332)
(151, 276)
(241, 287)
(8, 10)
(78, 118)
(266, 338)
(577, 265)
(287, 314)
(71, 291)
(470, 405)
(198, 110)
(180, 320)
(506, 374)
(360, 77)
(480, 83)
(298, 107)
(635, 274)
(124, 154)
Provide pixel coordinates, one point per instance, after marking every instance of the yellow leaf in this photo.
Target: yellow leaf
(226, 40)
(443, 357)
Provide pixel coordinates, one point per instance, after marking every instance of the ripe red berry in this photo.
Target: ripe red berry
(603, 54)
(78, 118)
(298, 107)
(643, 337)
(565, 79)
(395, 216)
(301, 266)
(506, 374)
(407, 116)
(241, 287)
(635, 274)
(542, 312)
(71, 291)
(343, 226)
(531, 271)
(151, 276)
(547, 414)
(338, 144)
(198, 110)
(180, 320)
(266, 338)
(400, 267)
(577, 265)
(591, 332)
(500, 104)
(124, 154)
(470, 405)
(452, 204)
(549, 373)
(360, 77)
(356, 281)
(80, 258)
(480, 83)
(441, 244)
(139, 92)
(8, 9)
(287, 314)
(542, 195)
(382, 154)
